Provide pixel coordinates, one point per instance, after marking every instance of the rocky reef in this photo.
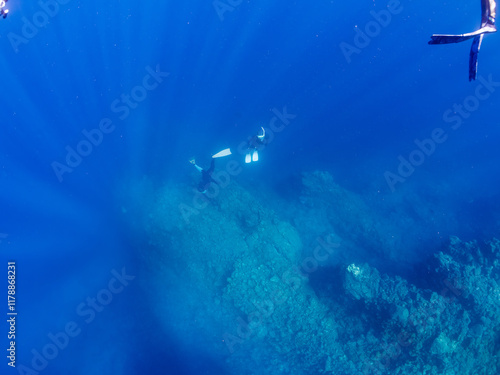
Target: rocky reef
(453, 329)
(270, 293)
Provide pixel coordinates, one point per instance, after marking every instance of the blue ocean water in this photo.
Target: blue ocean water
(104, 104)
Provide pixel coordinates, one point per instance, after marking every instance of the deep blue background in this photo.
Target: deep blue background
(353, 120)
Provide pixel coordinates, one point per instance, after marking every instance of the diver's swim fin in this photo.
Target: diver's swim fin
(448, 38)
(474, 50)
(222, 153)
(248, 158)
(255, 156)
(488, 15)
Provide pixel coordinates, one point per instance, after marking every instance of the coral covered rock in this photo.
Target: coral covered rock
(254, 303)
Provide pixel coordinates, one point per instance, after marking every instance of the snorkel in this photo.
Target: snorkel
(261, 137)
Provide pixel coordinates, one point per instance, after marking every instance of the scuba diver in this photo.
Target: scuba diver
(254, 144)
(3, 12)
(206, 175)
(488, 14)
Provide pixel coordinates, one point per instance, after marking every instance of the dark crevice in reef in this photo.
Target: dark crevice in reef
(422, 275)
(327, 281)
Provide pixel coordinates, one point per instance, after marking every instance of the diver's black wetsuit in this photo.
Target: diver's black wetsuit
(206, 177)
(256, 143)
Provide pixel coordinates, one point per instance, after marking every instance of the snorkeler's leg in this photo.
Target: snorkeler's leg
(212, 167)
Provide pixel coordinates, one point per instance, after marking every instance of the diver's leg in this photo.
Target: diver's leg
(212, 167)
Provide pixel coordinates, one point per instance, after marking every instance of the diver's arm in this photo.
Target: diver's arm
(192, 161)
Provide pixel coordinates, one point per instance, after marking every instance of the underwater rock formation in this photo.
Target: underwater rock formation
(255, 304)
(326, 205)
(228, 228)
(453, 329)
(374, 225)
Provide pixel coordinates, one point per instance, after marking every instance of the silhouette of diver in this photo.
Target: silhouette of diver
(206, 176)
(488, 14)
(256, 143)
